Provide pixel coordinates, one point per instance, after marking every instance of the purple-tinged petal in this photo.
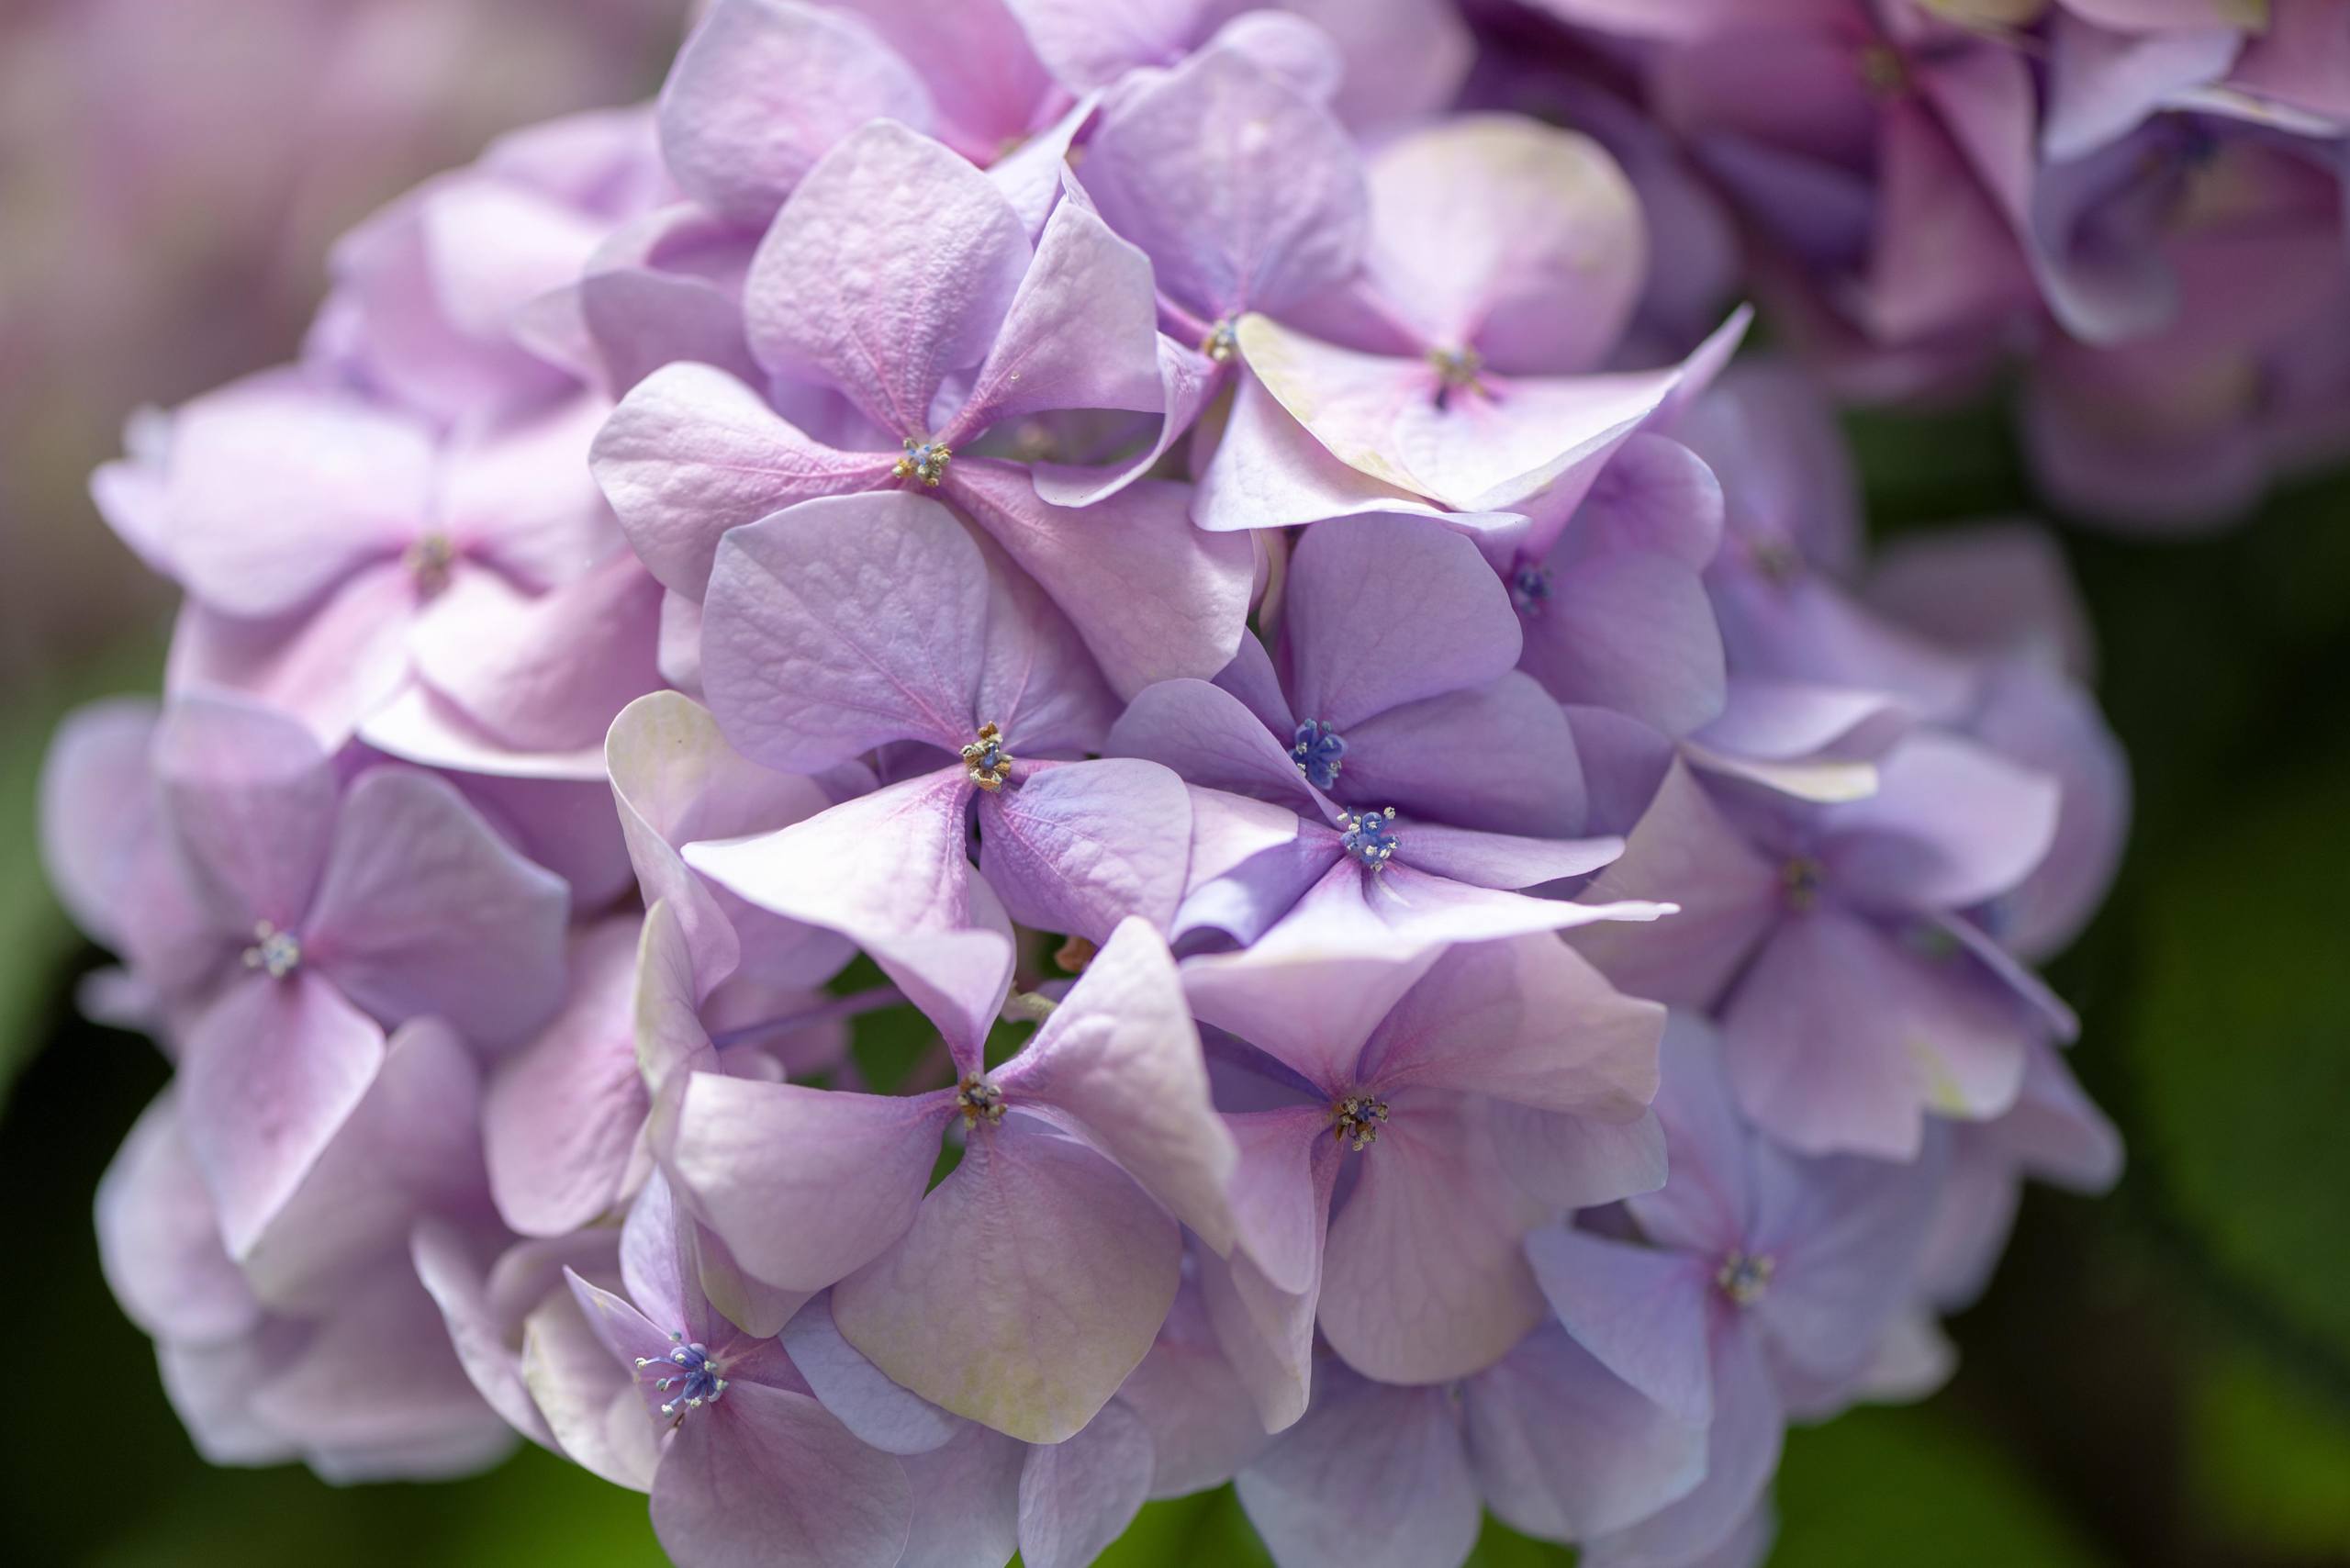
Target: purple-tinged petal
(853, 1388)
(850, 1168)
(1077, 847)
(423, 908)
(844, 624)
(1033, 1281)
(981, 67)
(691, 452)
(1313, 1008)
(764, 88)
(1506, 860)
(545, 674)
(412, 1144)
(891, 268)
(1684, 849)
(1245, 193)
(1389, 611)
(375, 1392)
(1519, 239)
(1844, 1236)
(1540, 440)
(158, 1240)
(1265, 1332)
(334, 668)
(278, 492)
(966, 1502)
(1201, 1418)
(1250, 863)
(1120, 1057)
(1565, 1448)
(563, 1114)
(1839, 1039)
(1634, 631)
(1526, 1020)
(1081, 333)
(1089, 559)
(2054, 726)
(1379, 1468)
(1405, 60)
(249, 800)
(1423, 1279)
(271, 1073)
(97, 811)
(1079, 1495)
(675, 781)
(1269, 471)
(764, 1476)
(476, 1310)
(1641, 1311)
(1741, 1453)
(2102, 84)
(1086, 45)
(1527, 779)
(589, 1398)
(1951, 825)
(889, 871)
(1708, 1205)
(1209, 736)
(1571, 1162)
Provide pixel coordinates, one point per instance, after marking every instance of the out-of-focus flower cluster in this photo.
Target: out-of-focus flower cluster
(2138, 204)
(1470, 942)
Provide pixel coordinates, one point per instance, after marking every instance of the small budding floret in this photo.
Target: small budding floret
(1319, 753)
(1222, 342)
(1778, 561)
(1365, 837)
(276, 953)
(1801, 878)
(979, 1101)
(984, 761)
(1356, 1120)
(429, 561)
(1744, 1278)
(926, 461)
(699, 1380)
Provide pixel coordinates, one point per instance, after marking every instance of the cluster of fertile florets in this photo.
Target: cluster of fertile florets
(1473, 948)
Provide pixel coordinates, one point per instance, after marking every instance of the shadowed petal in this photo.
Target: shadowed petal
(1033, 1280)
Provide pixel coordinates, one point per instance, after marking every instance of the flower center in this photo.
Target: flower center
(1319, 753)
(279, 953)
(1778, 561)
(1355, 1121)
(1881, 70)
(979, 1101)
(1801, 878)
(924, 460)
(1366, 837)
(1529, 589)
(1222, 342)
(1457, 370)
(428, 561)
(697, 1380)
(1744, 1278)
(985, 762)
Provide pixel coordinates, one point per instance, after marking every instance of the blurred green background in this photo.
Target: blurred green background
(2159, 1378)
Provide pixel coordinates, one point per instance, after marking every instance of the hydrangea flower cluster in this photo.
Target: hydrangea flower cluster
(2141, 201)
(1473, 945)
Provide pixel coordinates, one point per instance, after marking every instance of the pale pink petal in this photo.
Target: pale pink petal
(1033, 1280)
